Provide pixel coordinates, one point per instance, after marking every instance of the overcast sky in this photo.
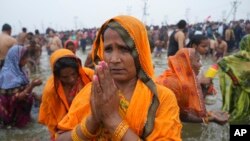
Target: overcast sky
(71, 14)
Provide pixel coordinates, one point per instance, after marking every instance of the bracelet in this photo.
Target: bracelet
(86, 132)
(120, 131)
(74, 135)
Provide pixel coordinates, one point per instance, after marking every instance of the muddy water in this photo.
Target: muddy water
(190, 132)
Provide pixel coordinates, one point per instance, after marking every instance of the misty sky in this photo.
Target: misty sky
(71, 14)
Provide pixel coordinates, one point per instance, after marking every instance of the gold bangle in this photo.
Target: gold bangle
(120, 131)
(74, 135)
(86, 132)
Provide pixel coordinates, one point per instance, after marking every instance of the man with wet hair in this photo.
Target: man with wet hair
(6, 42)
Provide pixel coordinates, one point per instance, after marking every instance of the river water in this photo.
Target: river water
(191, 131)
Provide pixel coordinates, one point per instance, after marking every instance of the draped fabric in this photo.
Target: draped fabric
(13, 80)
(54, 104)
(11, 75)
(167, 125)
(236, 98)
(181, 79)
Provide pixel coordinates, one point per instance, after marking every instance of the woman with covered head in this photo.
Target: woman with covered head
(71, 45)
(16, 97)
(234, 74)
(68, 78)
(181, 77)
(122, 102)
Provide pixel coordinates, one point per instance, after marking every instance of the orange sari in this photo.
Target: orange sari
(181, 79)
(54, 104)
(167, 125)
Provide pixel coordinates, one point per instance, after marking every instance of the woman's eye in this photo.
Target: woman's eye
(125, 49)
(108, 49)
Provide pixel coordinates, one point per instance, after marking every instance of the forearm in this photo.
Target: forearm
(81, 131)
(196, 119)
(190, 118)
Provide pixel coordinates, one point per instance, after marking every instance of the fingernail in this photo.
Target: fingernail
(95, 78)
(99, 67)
(103, 63)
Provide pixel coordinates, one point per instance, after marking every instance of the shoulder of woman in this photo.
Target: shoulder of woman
(88, 71)
(164, 92)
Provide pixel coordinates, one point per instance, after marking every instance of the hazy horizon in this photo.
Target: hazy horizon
(72, 14)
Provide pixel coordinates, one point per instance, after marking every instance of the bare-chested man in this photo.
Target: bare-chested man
(22, 37)
(6, 42)
(54, 42)
(177, 38)
(220, 48)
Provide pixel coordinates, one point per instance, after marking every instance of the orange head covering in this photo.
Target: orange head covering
(134, 34)
(137, 33)
(60, 53)
(54, 104)
(183, 81)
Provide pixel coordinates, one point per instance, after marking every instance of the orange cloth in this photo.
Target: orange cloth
(167, 125)
(181, 79)
(54, 104)
(138, 33)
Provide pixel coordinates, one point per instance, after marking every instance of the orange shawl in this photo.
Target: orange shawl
(54, 104)
(181, 79)
(167, 125)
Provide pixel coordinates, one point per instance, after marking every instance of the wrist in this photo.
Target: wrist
(93, 123)
(112, 123)
(88, 129)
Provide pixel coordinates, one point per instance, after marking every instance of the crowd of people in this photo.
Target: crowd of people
(115, 94)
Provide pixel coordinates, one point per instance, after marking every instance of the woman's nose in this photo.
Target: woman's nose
(115, 57)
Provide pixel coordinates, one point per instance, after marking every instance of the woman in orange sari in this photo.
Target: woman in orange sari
(181, 77)
(122, 102)
(67, 80)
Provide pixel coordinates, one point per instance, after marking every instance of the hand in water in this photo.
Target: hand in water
(36, 82)
(219, 117)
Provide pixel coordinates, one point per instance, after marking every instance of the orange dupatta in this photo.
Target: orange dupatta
(181, 78)
(54, 105)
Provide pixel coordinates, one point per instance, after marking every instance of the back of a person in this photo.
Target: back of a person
(6, 42)
(228, 34)
(173, 45)
(55, 43)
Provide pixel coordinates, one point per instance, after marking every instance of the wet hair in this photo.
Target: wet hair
(196, 39)
(30, 34)
(217, 35)
(24, 29)
(6, 27)
(37, 32)
(181, 24)
(63, 63)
